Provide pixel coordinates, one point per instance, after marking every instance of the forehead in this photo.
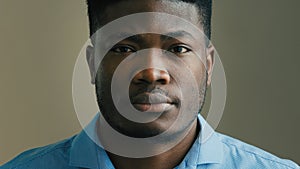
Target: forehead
(150, 23)
(120, 8)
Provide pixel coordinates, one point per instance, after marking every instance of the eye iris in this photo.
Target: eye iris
(179, 49)
(124, 49)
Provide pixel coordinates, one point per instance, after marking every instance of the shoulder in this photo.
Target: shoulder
(42, 157)
(242, 154)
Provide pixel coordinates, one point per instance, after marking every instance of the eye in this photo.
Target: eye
(123, 49)
(180, 49)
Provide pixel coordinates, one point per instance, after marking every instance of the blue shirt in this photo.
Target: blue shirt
(218, 152)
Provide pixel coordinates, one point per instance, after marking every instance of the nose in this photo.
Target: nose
(152, 76)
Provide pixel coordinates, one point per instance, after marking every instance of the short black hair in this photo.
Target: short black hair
(204, 8)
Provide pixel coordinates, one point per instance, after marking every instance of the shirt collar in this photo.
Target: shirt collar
(207, 148)
(210, 146)
(84, 150)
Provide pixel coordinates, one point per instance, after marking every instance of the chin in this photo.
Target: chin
(142, 130)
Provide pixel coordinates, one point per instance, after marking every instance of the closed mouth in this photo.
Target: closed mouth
(152, 102)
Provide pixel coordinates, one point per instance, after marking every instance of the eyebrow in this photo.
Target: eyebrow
(177, 34)
(164, 37)
(119, 36)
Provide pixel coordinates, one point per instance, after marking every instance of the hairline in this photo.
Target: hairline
(101, 16)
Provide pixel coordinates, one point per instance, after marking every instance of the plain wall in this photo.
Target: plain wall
(257, 40)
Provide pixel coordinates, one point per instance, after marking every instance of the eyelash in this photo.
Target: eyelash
(129, 49)
(122, 47)
(179, 46)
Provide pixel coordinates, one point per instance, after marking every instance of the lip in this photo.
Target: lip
(152, 102)
(154, 108)
(151, 98)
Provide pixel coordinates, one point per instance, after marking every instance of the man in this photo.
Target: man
(160, 88)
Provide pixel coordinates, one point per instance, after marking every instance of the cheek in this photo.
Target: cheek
(197, 67)
(107, 67)
(200, 73)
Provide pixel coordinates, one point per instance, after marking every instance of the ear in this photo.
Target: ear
(91, 62)
(210, 62)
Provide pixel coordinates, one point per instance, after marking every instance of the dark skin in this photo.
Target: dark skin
(150, 78)
(167, 160)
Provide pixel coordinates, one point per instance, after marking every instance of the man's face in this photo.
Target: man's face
(152, 90)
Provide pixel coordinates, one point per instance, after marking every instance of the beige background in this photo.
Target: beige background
(257, 40)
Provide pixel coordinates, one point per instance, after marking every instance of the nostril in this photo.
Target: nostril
(151, 75)
(141, 81)
(162, 81)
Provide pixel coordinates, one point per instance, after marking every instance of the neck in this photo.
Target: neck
(166, 160)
